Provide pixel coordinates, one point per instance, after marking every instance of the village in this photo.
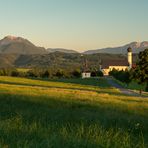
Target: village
(107, 66)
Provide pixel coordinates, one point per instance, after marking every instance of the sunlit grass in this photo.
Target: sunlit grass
(36, 113)
(23, 69)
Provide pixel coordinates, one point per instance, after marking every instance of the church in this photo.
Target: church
(108, 66)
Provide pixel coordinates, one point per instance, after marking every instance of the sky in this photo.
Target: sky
(75, 24)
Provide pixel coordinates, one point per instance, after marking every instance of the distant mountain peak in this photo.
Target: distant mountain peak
(18, 45)
(14, 39)
(10, 37)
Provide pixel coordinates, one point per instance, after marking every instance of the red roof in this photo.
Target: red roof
(106, 64)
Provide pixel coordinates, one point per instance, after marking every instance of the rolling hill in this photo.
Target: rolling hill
(18, 45)
(51, 50)
(58, 60)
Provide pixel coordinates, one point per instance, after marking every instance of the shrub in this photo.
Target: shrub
(45, 74)
(123, 76)
(100, 73)
(14, 73)
(76, 73)
(93, 74)
(59, 74)
(31, 73)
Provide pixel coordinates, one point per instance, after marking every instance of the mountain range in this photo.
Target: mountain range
(136, 48)
(19, 45)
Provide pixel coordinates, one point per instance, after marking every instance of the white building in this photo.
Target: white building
(108, 66)
(86, 75)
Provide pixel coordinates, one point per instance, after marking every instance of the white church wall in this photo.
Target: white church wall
(106, 71)
(118, 68)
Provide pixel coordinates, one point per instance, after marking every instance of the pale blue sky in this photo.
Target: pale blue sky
(75, 24)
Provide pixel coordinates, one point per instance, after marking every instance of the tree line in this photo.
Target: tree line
(46, 73)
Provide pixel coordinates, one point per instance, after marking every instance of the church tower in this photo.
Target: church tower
(129, 50)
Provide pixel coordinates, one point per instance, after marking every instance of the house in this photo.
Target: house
(86, 74)
(108, 66)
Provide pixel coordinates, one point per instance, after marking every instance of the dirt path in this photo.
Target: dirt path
(122, 90)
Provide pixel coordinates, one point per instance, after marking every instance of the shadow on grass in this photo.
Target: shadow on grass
(66, 111)
(57, 113)
(99, 82)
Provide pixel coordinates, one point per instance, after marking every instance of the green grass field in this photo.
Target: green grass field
(70, 113)
(132, 85)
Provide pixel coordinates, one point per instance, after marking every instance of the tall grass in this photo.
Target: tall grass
(36, 113)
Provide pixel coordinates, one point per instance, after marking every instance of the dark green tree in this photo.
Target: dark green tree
(93, 73)
(76, 73)
(100, 73)
(14, 73)
(31, 73)
(60, 73)
(123, 76)
(113, 73)
(141, 70)
(127, 77)
(45, 74)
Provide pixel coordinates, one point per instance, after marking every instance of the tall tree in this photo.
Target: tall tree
(141, 71)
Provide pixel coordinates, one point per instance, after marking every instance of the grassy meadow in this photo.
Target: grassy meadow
(70, 113)
(133, 85)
